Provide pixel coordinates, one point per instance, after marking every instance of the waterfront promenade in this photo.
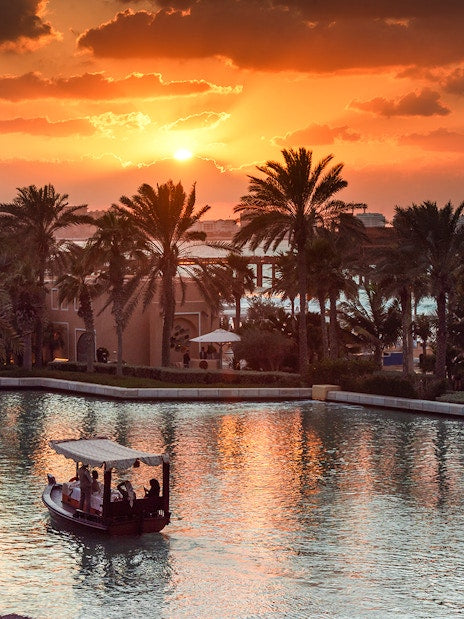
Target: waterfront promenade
(231, 394)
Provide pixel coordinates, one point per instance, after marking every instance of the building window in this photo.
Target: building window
(54, 300)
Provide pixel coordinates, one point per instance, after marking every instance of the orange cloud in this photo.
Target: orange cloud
(312, 36)
(426, 103)
(336, 9)
(454, 83)
(101, 182)
(98, 87)
(317, 135)
(203, 120)
(439, 140)
(42, 126)
(20, 23)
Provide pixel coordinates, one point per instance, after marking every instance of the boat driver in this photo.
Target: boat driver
(85, 483)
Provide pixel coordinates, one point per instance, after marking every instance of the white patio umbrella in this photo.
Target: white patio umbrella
(218, 336)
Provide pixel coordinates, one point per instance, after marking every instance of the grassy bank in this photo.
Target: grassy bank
(128, 382)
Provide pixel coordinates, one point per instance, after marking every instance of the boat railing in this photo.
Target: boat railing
(149, 506)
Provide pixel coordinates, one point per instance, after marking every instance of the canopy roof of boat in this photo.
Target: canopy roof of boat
(103, 451)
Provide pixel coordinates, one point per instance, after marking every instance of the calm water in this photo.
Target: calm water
(279, 510)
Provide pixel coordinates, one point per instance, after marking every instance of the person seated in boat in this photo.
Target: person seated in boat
(127, 491)
(96, 485)
(85, 485)
(154, 490)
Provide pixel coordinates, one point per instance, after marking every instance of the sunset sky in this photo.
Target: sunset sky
(97, 96)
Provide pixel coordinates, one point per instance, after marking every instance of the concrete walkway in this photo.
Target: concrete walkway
(405, 404)
(232, 393)
(172, 393)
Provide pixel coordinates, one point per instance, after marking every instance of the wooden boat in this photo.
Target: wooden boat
(109, 511)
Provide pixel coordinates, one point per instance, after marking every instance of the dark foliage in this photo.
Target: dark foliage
(384, 384)
(180, 376)
(339, 371)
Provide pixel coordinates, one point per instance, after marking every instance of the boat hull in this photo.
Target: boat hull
(134, 524)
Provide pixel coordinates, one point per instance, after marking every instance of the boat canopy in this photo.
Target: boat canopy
(103, 451)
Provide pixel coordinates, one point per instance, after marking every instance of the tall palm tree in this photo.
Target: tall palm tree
(236, 280)
(79, 281)
(32, 220)
(423, 330)
(346, 234)
(401, 274)
(26, 298)
(165, 216)
(319, 255)
(284, 282)
(287, 204)
(373, 318)
(438, 235)
(119, 247)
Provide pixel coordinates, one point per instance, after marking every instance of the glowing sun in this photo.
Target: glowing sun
(182, 154)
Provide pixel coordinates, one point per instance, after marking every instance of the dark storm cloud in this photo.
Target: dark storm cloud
(296, 35)
(19, 19)
(425, 103)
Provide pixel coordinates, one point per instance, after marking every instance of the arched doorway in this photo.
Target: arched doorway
(81, 348)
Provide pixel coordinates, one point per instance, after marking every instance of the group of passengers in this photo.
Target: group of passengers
(89, 485)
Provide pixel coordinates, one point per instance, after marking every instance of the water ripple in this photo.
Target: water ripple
(279, 510)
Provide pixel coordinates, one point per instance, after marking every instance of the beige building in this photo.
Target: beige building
(142, 336)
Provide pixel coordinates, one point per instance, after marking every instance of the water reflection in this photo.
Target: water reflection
(278, 510)
(111, 568)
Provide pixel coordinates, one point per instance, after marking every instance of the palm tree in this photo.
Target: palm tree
(79, 281)
(32, 220)
(8, 336)
(285, 283)
(287, 204)
(373, 318)
(26, 298)
(318, 257)
(165, 217)
(118, 246)
(401, 273)
(437, 234)
(423, 330)
(235, 281)
(345, 234)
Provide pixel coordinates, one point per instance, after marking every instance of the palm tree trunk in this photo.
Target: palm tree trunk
(406, 324)
(27, 352)
(41, 308)
(119, 331)
(440, 363)
(324, 338)
(118, 315)
(238, 311)
(333, 326)
(86, 305)
(168, 321)
(378, 355)
(302, 327)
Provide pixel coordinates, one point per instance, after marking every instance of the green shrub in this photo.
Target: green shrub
(427, 363)
(383, 384)
(339, 371)
(430, 388)
(182, 376)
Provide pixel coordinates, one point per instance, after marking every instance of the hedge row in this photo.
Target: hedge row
(180, 376)
(339, 371)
